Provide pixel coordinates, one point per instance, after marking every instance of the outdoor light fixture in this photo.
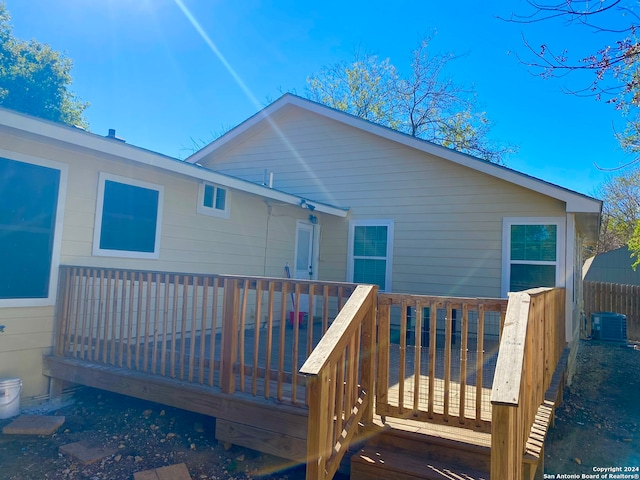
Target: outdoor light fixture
(304, 204)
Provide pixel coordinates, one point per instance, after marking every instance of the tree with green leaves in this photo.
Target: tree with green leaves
(424, 104)
(35, 79)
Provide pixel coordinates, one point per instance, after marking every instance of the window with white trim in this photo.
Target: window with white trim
(31, 194)
(213, 200)
(533, 252)
(128, 218)
(370, 252)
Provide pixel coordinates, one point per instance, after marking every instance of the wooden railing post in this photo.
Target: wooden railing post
(62, 311)
(382, 381)
(229, 335)
(506, 443)
(367, 372)
(317, 453)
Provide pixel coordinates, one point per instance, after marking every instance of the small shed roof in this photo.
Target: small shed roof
(612, 267)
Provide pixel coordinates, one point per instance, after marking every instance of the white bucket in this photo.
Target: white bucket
(10, 389)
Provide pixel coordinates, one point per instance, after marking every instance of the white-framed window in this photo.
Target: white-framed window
(213, 200)
(32, 197)
(370, 252)
(128, 218)
(533, 253)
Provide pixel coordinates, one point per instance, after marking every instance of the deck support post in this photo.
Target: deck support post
(229, 335)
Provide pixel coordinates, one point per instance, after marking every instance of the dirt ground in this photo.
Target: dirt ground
(144, 435)
(596, 427)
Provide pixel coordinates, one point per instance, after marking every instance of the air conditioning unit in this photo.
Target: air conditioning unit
(609, 326)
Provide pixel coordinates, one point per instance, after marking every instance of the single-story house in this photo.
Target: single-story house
(298, 185)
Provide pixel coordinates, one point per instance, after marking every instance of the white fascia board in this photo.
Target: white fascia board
(80, 138)
(575, 202)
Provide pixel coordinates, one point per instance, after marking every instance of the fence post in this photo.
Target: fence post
(229, 335)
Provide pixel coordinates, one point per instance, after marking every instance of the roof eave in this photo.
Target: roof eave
(93, 142)
(575, 202)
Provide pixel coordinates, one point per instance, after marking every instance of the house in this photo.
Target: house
(422, 218)
(332, 196)
(614, 266)
(76, 198)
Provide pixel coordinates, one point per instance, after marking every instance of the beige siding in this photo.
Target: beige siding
(447, 218)
(28, 335)
(190, 242)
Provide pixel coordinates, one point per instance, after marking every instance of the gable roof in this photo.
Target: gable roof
(45, 130)
(576, 202)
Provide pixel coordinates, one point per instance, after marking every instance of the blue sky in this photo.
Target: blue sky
(148, 73)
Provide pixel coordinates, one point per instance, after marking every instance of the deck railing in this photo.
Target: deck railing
(228, 332)
(314, 344)
(436, 357)
(340, 374)
(532, 343)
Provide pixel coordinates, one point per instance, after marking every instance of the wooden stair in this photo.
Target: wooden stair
(400, 455)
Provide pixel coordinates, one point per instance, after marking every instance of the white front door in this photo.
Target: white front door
(305, 261)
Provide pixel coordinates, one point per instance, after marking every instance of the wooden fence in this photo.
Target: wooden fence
(617, 298)
(532, 343)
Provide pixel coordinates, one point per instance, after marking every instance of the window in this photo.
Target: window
(213, 200)
(128, 218)
(370, 252)
(534, 251)
(30, 227)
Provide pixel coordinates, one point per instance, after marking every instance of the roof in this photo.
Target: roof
(614, 266)
(576, 202)
(77, 137)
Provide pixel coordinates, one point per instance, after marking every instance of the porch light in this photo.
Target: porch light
(304, 204)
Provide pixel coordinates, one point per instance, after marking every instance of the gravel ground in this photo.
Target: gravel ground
(144, 435)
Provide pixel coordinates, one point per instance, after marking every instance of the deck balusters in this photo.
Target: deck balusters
(431, 362)
(249, 334)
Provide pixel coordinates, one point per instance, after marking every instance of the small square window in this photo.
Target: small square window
(128, 218)
(213, 200)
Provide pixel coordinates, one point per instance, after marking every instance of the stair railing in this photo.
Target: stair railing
(340, 381)
(532, 343)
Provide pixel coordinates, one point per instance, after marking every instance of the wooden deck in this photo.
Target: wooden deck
(250, 422)
(224, 346)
